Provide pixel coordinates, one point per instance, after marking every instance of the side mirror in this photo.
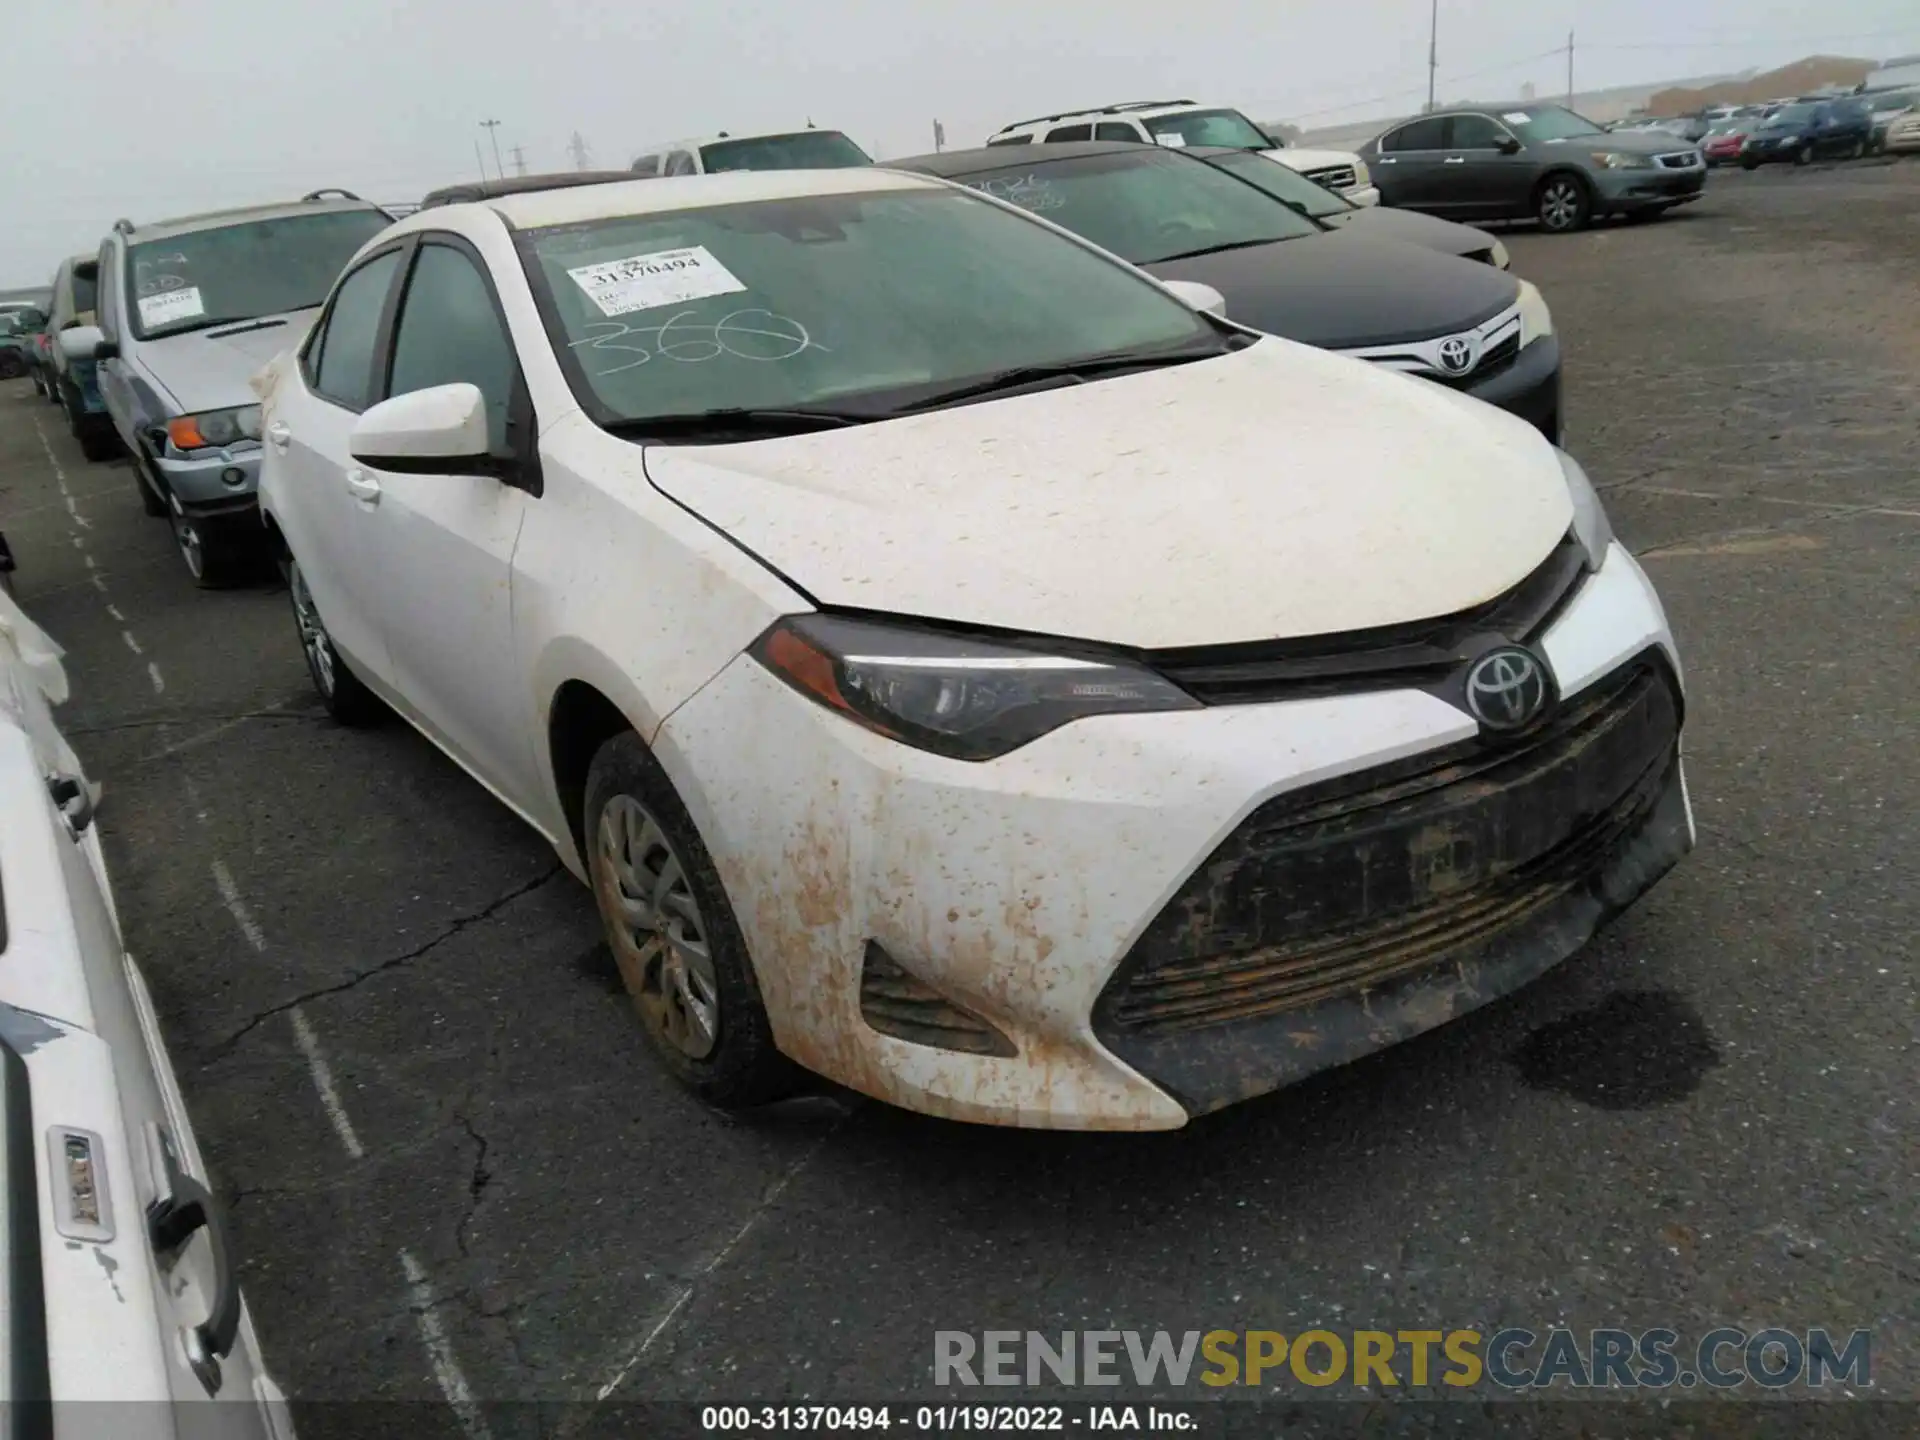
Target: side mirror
(82, 342)
(438, 431)
(1507, 145)
(1204, 298)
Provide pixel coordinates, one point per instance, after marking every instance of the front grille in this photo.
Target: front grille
(1682, 161)
(1347, 886)
(1493, 360)
(1386, 657)
(1334, 177)
(898, 1004)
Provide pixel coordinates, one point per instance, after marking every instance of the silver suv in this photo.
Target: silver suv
(188, 311)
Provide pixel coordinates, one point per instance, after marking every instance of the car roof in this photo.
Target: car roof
(698, 142)
(517, 184)
(1140, 109)
(215, 219)
(997, 157)
(637, 195)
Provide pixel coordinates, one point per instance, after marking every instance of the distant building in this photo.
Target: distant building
(1831, 74)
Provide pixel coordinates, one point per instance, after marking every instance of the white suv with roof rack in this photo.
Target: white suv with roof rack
(1179, 123)
(808, 149)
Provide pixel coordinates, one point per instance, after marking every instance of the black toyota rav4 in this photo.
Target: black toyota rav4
(1465, 325)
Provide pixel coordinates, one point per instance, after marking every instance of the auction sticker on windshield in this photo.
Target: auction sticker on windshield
(664, 277)
(171, 305)
(1516, 117)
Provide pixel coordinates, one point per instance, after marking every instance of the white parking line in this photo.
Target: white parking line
(236, 907)
(153, 674)
(114, 611)
(446, 1367)
(322, 1073)
(132, 644)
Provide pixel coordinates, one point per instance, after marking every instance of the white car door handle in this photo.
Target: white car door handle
(279, 435)
(1455, 160)
(363, 486)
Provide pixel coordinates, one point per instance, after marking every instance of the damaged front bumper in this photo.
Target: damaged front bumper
(1048, 939)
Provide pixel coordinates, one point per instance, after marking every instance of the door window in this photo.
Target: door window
(680, 163)
(1070, 132)
(1115, 130)
(449, 331)
(647, 165)
(1475, 132)
(1418, 135)
(343, 371)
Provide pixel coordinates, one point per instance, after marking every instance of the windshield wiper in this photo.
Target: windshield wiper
(188, 327)
(736, 421)
(1072, 370)
(1228, 245)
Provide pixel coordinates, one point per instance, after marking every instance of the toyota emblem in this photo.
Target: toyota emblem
(1456, 354)
(1508, 688)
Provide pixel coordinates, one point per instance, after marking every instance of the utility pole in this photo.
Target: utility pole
(577, 147)
(480, 160)
(490, 126)
(519, 161)
(1433, 53)
(939, 136)
(1569, 69)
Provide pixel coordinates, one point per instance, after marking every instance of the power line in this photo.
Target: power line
(519, 161)
(491, 126)
(582, 155)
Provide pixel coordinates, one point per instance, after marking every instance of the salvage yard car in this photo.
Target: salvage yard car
(187, 310)
(1540, 162)
(73, 381)
(121, 1282)
(1809, 130)
(1437, 316)
(959, 664)
(808, 149)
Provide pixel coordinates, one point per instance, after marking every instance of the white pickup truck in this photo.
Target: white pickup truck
(117, 1282)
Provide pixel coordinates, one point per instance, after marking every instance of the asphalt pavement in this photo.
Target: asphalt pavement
(454, 1170)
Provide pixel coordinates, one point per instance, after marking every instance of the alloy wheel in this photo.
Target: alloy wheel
(661, 940)
(1560, 205)
(313, 634)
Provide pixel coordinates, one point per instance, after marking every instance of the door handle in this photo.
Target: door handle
(1386, 160)
(363, 486)
(74, 800)
(182, 1206)
(279, 435)
(1455, 160)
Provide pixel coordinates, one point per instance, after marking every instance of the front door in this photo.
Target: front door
(1486, 182)
(443, 546)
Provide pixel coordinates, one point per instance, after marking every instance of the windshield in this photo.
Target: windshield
(238, 272)
(803, 150)
(1282, 182)
(1210, 127)
(1789, 115)
(1550, 122)
(1894, 100)
(1146, 205)
(875, 299)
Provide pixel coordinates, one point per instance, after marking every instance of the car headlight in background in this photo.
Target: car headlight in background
(211, 428)
(1362, 177)
(1620, 160)
(1590, 524)
(1536, 321)
(1501, 259)
(962, 698)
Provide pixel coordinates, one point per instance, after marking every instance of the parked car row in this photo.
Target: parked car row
(986, 507)
(1796, 131)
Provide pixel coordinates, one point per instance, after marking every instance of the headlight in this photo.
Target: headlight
(1362, 177)
(966, 699)
(1590, 524)
(214, 427)
(1619, 160)
(1535, 319)
(1501, 259)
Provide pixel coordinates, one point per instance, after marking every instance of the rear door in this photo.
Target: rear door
(320, 494)
(1480, 181)
(1410, 171)
(442, 544)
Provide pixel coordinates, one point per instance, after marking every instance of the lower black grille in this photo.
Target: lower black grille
(1346, 886)
(897, 1004)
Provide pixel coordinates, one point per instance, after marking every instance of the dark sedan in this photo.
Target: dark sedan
(1375, 222)
(1540, 162)
(1468, 326)
(1809, 130)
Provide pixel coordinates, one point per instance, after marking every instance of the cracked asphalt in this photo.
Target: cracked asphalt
(1708, 1118)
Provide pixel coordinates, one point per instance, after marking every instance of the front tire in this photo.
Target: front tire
(211, 558)
(1563, 204)
(674, 936)
(1804, 155)
(347, 699)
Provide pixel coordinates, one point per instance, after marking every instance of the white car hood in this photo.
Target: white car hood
(1295, 159)
(1278, 492)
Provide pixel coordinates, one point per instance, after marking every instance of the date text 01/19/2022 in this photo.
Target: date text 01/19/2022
(952, 1419)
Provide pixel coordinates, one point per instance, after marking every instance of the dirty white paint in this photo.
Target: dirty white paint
(159, 681)
(446, 1365)
(237, 908)
(322, 1074)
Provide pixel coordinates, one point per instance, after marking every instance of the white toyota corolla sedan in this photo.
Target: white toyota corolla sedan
(959, 664)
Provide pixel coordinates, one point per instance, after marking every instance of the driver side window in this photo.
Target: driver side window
(1475, 132)
(449, 331)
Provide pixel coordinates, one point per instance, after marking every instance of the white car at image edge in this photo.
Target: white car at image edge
(960, 665)
(120, 1285)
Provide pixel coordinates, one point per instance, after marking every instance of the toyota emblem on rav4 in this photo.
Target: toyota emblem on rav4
(1507, 688)
(1456, 354)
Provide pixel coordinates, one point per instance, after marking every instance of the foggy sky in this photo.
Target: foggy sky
(150, 108)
